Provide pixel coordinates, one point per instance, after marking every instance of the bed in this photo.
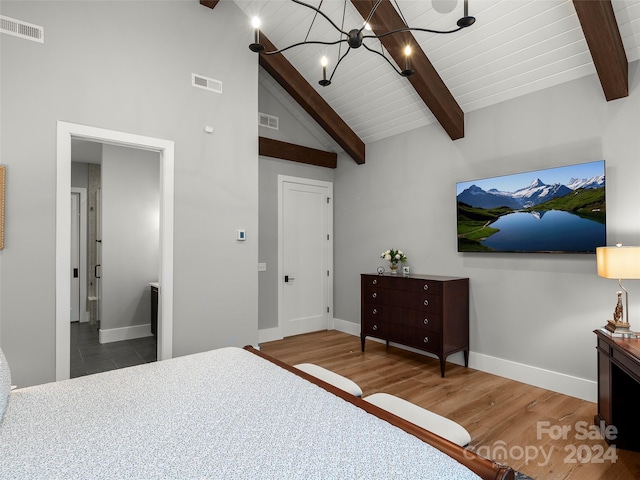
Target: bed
(230, 413)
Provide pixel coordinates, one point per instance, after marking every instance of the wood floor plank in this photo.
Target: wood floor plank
(502, 415)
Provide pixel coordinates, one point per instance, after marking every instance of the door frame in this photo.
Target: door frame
(65, 132)
(82, 226)
(282, 179)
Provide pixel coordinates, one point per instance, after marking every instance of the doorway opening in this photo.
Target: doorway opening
(165, 148)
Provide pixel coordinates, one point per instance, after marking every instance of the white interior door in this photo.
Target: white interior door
(305, 238)
(75, 257)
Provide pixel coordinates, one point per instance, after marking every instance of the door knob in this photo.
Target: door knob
(287, 278)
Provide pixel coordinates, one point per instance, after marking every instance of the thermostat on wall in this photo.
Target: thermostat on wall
(241, 235)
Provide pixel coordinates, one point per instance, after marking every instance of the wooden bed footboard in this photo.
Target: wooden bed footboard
(483, 467)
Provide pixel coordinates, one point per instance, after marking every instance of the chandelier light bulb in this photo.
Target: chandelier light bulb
(407, 62)
(256, 46)
(324, 82)
(367, 26)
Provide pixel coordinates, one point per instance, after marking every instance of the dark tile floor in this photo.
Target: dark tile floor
(88, 356)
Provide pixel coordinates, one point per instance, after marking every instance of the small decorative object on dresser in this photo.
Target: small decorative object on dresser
(430, 313)
(394, 257)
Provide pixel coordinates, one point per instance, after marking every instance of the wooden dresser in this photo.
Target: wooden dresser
(430, 313)
(618, 390)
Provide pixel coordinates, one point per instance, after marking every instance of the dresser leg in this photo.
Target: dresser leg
(442, 364)
(466, 358)
(362, 341)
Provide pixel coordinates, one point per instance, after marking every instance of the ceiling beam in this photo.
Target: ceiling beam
(209, 3)
(601, 31)
(294, 83)
(426, 81)
(268, 147)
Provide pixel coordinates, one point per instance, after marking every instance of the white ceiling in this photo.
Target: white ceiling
(515, 47)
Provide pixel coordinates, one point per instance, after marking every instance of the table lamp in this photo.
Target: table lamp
(621, 263)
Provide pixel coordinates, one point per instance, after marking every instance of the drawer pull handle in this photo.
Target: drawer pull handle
(426, 339)
(426, 321)
(375, 327)
(426, 287)
(375, 311)
(426, 302)
(374, 295)
(375, 281)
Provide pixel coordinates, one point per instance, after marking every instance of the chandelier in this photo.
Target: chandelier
(355, 38)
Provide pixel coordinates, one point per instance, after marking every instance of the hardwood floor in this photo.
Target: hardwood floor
(541, 433)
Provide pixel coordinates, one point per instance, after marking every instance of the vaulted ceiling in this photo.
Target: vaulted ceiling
(515, 47)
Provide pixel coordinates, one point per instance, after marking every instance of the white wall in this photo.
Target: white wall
(130, 235)
(533, 309)
(127, 66)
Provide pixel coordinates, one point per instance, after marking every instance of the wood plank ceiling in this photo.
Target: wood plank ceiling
(516, 47)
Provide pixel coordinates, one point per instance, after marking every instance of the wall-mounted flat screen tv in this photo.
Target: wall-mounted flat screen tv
(556, 210)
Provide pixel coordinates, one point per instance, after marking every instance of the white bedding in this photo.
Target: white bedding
(224, 414)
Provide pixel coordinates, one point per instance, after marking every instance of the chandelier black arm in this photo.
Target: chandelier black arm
(317, 10)
(372, 12)
(399, 72)
(411, 29)
(338, 63)
(318, 42)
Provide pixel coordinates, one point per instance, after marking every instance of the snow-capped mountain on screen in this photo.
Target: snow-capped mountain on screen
(537, 192)
(593, 182)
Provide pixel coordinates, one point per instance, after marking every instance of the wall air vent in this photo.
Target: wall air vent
(206, 83)
(268, 121)
(21, 29)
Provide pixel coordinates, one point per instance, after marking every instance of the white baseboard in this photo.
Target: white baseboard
(124, 333)
(269, 335)
(538, 377)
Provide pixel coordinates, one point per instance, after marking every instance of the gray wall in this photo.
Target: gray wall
(130, 235)
(535, 309)
(291, 130)
(79, 175)
(127, 66)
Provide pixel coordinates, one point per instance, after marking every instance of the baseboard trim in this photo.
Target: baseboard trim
(537, 377)
(269, 335)
(124, 333)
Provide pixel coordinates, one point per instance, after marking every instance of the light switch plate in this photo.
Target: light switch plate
(262, 267)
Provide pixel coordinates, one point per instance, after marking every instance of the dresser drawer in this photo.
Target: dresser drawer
(415, 319)
(374, 328)
(424, 302)
(372, 311)
(381, 281)
(413, 337)
(402, 299)
(425, 286)
(429, 341)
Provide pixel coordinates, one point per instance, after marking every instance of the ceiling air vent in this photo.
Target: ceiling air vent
(21, 29)
(210, 84)
(268, 121)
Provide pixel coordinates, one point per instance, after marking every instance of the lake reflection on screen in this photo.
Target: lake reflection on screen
(554, 230)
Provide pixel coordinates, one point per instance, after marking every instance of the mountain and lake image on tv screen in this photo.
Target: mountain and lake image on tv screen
(556, 210)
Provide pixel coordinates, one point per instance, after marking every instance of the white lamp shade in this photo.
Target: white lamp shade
(618, 262)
